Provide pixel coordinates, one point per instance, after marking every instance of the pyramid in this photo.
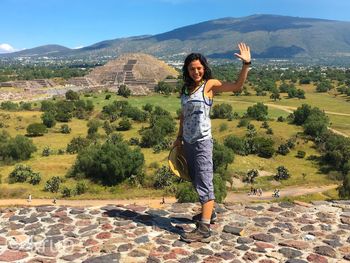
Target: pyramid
(139, 72)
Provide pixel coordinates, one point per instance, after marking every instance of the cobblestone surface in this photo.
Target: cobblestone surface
(264, 233)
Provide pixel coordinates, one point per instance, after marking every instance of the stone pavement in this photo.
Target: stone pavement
(264, 233)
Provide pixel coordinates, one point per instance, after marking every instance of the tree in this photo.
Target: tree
(109, 163)
(283, 149)
(316, 123)
(344, 190)
(22, 173)
(275, 95)
(250, 176)
(282, 173)
(221, 111)
(48, 119)
(124, 124)
(19, 148)
(301, 114)
(236, 144)
(77, 144)
(53, 184)
(163, 88)
(258, 111)
(36, 129)
(263, 147)
(124, 91)
(72, 95)
(222, 156)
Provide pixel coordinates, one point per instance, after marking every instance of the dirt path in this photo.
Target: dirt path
(285, 192)
(157, 203)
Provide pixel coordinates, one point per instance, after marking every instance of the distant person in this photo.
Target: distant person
(29, 198)
(195, 131)
(54, 200)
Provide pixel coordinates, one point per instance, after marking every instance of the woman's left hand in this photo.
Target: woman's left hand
(244, 54)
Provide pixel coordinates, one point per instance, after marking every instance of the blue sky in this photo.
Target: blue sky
(77, 23)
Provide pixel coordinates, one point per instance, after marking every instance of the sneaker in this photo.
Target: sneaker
(198, 217)
(202, 233)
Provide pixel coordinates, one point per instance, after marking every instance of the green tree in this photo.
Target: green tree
(72, 95)
(36, 129)
(250, 176)
(77, 144)
(109, 163)
(53, 184)
(282, 173)
(19, 148)
(258, 111)
(48, 119)
(221, 111)
(124, 91)
(344, 189)
(163, 88)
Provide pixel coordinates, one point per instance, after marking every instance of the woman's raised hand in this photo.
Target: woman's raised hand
(244, 52)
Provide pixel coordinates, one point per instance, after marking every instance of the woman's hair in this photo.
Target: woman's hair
(188, 81)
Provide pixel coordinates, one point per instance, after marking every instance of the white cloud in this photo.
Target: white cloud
(6, 48)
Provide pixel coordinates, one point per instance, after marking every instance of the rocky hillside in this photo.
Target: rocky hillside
(270, 36)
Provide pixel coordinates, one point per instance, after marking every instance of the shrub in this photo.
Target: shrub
(258, 111)
(124, 124)
(80, 188)
(124, 91)
(221, 111)
(243, 123)
(186, 194)
(163, 178)
(20, 174)
(65, 129)
(23, 172)
(36, 129)
(53, 184)
(46, 151)
(236, 144)
(250, 176)
(48, 119)
(301, 154)
(34, 178)
(72, 95)
(108, 96)
(66, 192)
(282, 173)
(283, 149)
(223, 127)
(77, 144)
(109, 163)
(18, 148)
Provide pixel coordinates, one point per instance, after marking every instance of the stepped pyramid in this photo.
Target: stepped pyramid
(139, 72)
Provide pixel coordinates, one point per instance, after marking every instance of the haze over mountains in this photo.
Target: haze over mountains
(270, 36)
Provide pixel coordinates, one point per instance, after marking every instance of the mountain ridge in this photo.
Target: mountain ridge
(270, 36)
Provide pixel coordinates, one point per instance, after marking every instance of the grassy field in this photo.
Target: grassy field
(303, 171)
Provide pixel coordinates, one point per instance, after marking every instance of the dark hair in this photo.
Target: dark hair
(188, 81)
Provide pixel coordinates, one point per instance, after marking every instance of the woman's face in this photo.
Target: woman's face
(196, 71)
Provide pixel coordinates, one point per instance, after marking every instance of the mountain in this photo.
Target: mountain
(47, 50)
(270, 36)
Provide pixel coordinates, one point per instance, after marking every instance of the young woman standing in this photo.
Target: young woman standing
(195, 130)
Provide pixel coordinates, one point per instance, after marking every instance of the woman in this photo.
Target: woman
(195, 131)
